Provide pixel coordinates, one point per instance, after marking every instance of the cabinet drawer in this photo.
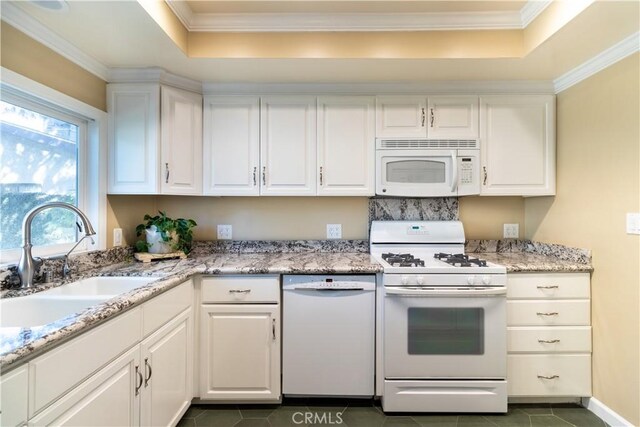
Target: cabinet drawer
(55, 372)
(552, 286)
(166, 306)
(14, 390)
(546, 313)
(552, 339)
(241, 289)
(567, 375)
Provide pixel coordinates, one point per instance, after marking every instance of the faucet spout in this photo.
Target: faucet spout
(28, 265)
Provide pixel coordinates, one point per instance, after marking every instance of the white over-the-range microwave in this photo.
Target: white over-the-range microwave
(427, 168)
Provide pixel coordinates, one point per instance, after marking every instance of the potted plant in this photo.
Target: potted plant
(165, 235)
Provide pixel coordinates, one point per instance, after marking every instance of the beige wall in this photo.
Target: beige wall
(26, 56)
(484, 217)
(598, 183)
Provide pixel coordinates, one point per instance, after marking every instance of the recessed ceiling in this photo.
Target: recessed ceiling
(123, 34)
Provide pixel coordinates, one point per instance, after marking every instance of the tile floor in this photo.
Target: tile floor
(349, 413)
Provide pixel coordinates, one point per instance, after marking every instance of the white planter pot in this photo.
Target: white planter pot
(156, 244)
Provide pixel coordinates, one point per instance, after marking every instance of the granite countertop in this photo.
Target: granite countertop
(520, 262)
(20, 344)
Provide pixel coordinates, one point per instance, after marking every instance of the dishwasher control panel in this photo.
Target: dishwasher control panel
(333, 282)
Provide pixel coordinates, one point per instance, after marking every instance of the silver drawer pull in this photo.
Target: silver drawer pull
(553, 313)
(552, 377)
(239, 291)
(548, 341)
(548, 287)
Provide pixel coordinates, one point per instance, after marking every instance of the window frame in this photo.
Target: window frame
(91, 175)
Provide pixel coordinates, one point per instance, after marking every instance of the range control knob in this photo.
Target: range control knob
(471, 280)
(419, 280)
(404, 280)
(486, 280)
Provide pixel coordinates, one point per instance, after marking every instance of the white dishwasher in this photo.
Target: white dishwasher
(328, 335)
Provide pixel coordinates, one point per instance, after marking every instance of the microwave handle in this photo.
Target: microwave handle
(454, 169)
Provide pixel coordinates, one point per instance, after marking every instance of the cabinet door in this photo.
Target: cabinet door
(240, 352)
(401, 117)
(108, 398)
(288, 145)
(134, 120)
(14, 396)
(181, 158)
(346, 146)
(231, 145)
(518, 150)
(452, 117)
(167, 364)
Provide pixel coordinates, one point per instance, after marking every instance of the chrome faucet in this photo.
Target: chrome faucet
(28, 265)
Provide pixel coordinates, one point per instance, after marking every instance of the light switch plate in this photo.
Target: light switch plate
(117, 237)
(225, 232)
(511, 231)
(334, 231)
(633, 223)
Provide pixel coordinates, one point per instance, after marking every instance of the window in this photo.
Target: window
(40, 150)
(52, 148)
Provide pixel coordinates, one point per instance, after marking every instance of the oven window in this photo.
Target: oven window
(416, 171)
(446, 330)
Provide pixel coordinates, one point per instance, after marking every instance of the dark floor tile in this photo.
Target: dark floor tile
(578, 416)
(218, 418)
(253, 422)
(392, 421)
(534, 408)
(186, 422)
(436, 420)
(257, 411)
(193, 411)
(363, 417)
(285, 416)
(514, 418)
(474, 421)
(548, 421)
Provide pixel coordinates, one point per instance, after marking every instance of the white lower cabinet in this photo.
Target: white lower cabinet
(549, 335)
(14, 393)
(240, 339)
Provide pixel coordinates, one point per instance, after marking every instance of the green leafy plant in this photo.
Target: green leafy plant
(167, 227)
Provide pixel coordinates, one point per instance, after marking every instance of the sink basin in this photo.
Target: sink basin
(98, 286)
(36, 310)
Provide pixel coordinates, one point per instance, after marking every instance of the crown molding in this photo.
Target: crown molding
(531, 10)
(16, 17)
(182, 11)
(436, 87)
(153, 75)
(604, 59)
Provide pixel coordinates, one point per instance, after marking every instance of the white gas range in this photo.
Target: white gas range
(444, 338)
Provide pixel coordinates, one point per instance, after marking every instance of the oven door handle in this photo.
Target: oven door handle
(446, 292)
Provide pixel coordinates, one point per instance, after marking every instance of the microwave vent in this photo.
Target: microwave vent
(428, 143)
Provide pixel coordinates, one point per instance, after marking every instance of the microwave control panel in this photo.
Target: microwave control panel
(466, 170)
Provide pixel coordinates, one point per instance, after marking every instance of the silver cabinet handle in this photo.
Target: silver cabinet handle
(255, 171)
(239, 291)
(139, 374)
(148, 377)
(553, 313)
(552, 377)
(320, 175)
(548, 287)
(264, 175)
(166, 173)
(423, 117)
(273, 328)
(484, 170)
(548, 341)
(432, 118)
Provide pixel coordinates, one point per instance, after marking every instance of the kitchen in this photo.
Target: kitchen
(596, 185)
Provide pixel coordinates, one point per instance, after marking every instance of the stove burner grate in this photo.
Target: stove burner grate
(402, 260)
(460, 260)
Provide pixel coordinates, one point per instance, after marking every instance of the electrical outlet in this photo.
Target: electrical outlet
(334, 231)
(117, 237)
(511, 231)
(225, 232)
(633, 223)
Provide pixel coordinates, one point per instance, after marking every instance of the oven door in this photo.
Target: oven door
(416, 173)
(445, 333)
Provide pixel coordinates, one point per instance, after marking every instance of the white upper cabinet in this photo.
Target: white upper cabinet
(231, 145)
(148, 155)
(346, 146)
(181, 154)
(401, 116)
(518, 148)
(452, 117)
(288, 145)
(433, 117)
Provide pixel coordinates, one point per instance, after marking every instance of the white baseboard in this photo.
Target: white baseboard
(607, 414)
